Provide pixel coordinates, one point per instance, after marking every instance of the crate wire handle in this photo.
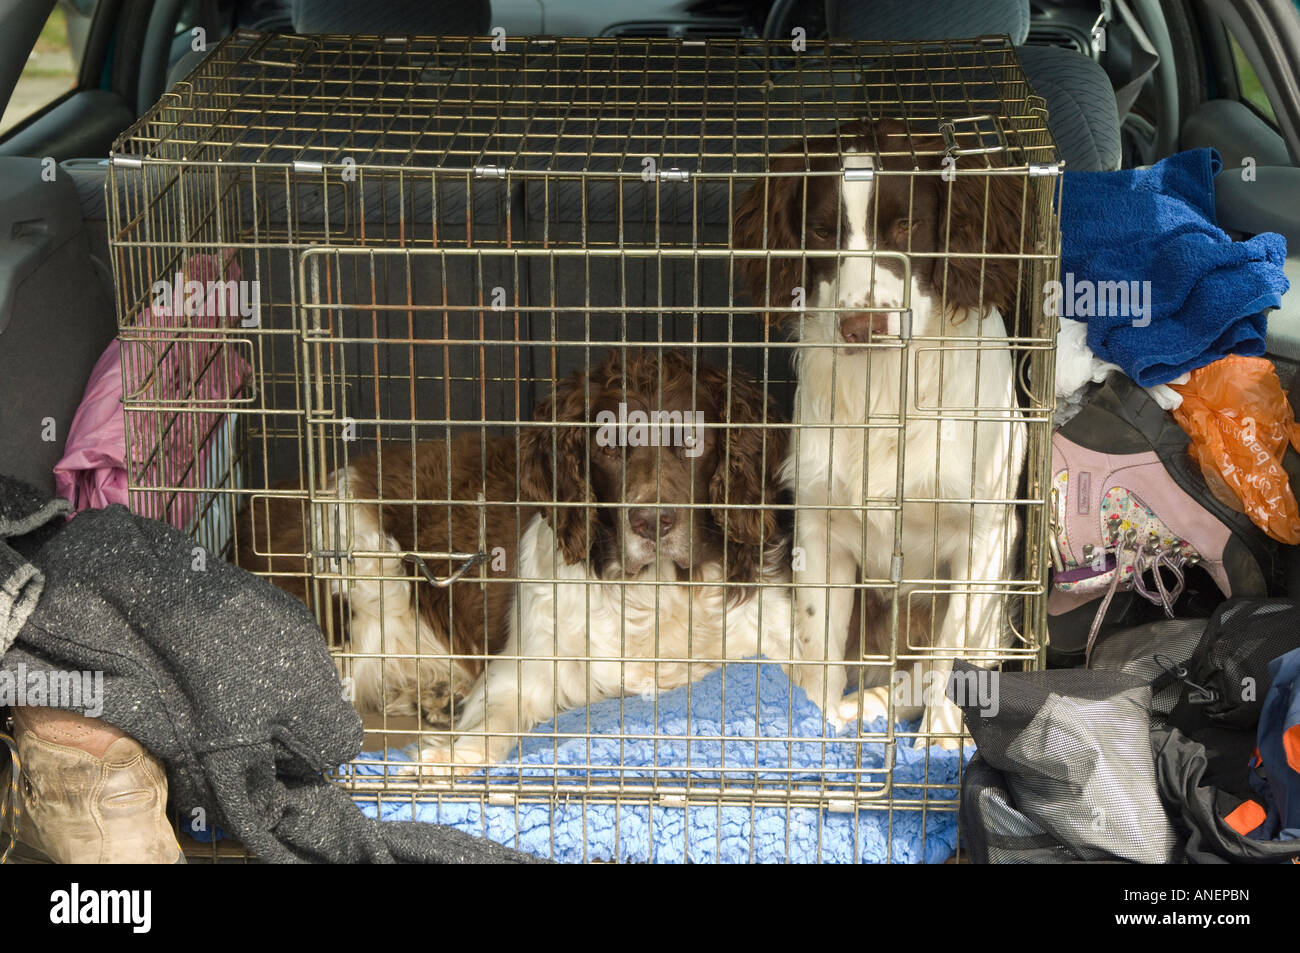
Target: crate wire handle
(471, 559)
(310, 46)
(948, 128)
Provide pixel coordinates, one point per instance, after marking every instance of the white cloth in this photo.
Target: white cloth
(1166, 396)
(1077, 367)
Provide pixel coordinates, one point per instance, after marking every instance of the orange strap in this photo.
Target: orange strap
(1291, 745)
(1248, 816)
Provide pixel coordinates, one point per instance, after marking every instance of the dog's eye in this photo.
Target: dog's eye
(822, 233)
(610, 450)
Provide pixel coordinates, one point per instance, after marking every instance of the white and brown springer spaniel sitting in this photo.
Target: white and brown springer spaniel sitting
(845, 383)
(648, 565)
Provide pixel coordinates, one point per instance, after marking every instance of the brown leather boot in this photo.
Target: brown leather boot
(88, 794)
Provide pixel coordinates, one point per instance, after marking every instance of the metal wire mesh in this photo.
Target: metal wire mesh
(377, 257)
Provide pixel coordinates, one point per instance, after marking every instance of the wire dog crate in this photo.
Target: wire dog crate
(351, 272)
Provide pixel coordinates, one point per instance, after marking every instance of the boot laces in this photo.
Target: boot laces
(1150, 557)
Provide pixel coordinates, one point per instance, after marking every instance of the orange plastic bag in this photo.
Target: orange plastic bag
(1240, 423)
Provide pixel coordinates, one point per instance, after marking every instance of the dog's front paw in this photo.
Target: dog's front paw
(443, 760)
(824, 692)
(943, 719)
(810, 679)
(946, 743)
(873, 703)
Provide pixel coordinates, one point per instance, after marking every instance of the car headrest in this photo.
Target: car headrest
(393, 17)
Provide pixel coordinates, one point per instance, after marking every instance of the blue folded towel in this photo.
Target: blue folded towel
(1207, 292)
(717, 714)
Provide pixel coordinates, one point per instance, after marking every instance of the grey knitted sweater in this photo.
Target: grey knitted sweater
(223, 676)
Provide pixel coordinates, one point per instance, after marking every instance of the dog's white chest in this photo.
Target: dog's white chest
(566, 613)
(656, 636)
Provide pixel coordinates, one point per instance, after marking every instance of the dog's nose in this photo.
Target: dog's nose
(857, 326)
(649, 521)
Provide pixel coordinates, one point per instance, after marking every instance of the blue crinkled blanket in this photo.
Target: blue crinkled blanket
(722, 705)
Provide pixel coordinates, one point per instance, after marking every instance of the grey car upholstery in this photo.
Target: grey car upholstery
(1081, 109)
(1237, 131)
(55, 324)
(393, 17)
(184, 66)
(388, 18)
(1080, 100)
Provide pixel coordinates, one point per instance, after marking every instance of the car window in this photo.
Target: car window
(1250, 90)
(52, 66)
(189, 17)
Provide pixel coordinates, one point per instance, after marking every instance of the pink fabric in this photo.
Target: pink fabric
(92, 473)
(166, 362)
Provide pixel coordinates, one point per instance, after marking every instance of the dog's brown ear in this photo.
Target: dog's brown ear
(982, 214)
(769, 217)
(746, 482)
(553, 467)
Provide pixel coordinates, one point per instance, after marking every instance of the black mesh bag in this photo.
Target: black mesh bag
(1073, 752)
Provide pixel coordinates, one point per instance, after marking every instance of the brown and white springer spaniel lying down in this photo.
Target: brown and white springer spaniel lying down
(625, 525)
(402, 615)
(843, 383)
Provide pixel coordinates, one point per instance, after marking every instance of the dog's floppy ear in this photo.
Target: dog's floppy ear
(770, 217)
(982, 214)
(553, 466)
(747, 479)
